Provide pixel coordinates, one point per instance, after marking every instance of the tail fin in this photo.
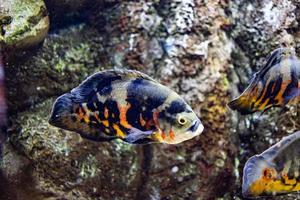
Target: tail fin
(63, 116)
(234, 104)
(241, 105)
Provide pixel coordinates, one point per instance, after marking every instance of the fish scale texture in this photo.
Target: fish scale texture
(206, 51)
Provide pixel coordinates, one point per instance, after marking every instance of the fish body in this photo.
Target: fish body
(276, 84)
(125, 104)
(275, 171)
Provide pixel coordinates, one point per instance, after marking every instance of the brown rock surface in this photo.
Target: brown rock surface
(206, 51)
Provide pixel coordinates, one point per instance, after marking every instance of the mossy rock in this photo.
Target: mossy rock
(63, 161)
(65, 59)
(23, 23)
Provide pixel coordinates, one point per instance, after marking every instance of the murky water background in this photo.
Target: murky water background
(205, 50)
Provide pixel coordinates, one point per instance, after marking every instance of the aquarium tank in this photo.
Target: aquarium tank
(149, 100)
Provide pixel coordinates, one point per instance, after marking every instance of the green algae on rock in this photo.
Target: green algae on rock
(64, 60)
(63, 161)
(23, 23)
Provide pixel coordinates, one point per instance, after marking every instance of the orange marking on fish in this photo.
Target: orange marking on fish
(123, 119)
(162, 135)
(263, 106)
(287, 180)
(105, 112)
(156, 123)
(83, 116)
(157, 136)
(120, 133)
(259, 186)
(80, 113)
(258, 101)
(86, 119)
(105, 123)
(282, 90)
(270, 183)
(171, 135)
(142, 121)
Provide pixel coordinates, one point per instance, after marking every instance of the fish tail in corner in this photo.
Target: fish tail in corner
(234, 104)
(242, 105)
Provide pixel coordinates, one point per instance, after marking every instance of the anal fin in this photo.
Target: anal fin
(97, 139)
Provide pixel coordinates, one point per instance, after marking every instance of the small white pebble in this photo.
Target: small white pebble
(175, 169)
(180, 179)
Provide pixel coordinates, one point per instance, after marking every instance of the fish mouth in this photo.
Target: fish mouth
(196, 127)
(62, 107)
(54, 119)
(251, 173)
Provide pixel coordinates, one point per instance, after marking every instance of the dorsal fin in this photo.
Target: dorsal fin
(276, 57)
(101, 81)
(288, 146)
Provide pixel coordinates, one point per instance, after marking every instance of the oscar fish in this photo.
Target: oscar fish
(128, 105)
(276, 84)
(275, 171)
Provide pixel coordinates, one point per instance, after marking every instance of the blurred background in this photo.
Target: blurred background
(206, 50)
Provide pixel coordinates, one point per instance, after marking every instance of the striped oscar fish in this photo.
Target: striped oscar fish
(126, 104)
(276, 84)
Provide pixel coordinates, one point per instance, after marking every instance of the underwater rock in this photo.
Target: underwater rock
(23, 23)
(257, 30)
(204, 50)
(192, 57)
(62, 62)
(261, 26)
(63, 165)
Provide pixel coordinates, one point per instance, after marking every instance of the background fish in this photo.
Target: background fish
(126, 104)
(275, 171)
(277, 83)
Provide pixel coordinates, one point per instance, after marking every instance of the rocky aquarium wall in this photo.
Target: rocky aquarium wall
(206, 51)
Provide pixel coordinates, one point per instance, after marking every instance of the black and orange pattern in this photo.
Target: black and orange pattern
(275, 85)
(125, 104)
(275, 171)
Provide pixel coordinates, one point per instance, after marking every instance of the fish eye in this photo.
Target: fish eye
(182, 120)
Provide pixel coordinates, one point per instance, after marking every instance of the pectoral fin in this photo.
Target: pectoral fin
(136, 135)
